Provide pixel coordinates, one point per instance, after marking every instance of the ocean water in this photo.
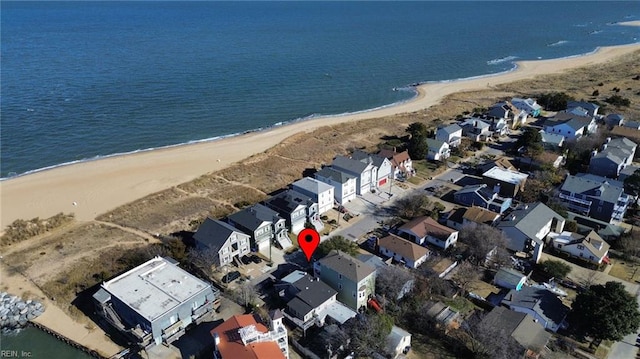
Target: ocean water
(82, 80)
(33, 343)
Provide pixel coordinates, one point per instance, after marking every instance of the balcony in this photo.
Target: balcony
(575, 199)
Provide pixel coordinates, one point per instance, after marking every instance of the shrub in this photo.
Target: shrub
(20, 229)
(556, 269)
(618, 100)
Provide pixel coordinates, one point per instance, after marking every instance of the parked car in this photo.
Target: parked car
(255, 259)
(230, 277)
(245, 259)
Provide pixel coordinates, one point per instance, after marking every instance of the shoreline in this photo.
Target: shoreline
(101, 184)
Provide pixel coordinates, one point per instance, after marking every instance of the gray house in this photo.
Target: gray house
(616, 154)
(590, 108)
(366, 173)
(155, 302)
(263, 225)
(521, 327)
(543, 305)
(451, 134)
(297, 209)
(594, 196)
(480, 195)
(382, 164)
(228, 242)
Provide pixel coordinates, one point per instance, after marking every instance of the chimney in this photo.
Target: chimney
(604, 146)
(216, 339)
(608, 140)
(594, 152)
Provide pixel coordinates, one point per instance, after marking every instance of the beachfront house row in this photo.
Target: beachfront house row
(595, 196)
(344, 185)
(528, 105)
(570, 125)
(263, 225)
(480, 195)
(591, 109)
(424, 229)
(381, 163)
(509, 112)
(527, 227)
(438, 150)
(505, 182)
(227, 242)
(401, 164)
(366, 173)
(615, 155)
(320, 192)
(451, 134)
(543, 305)
(406, 252)
(310, 301)
(297, 210)
(591, 248)
(246, 336)
(476, 129)
(155, 302)
(354, 280)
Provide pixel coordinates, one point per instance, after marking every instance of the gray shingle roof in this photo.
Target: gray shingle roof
(434, 144)
(312, 185)
(334, 174)
(453, 128)
(520, 326)
(481, 189)
(375, 159)
(530, 220)
(572, 120)
(349, 164)
(586, 105)
(596, 187)
(541, 301)
(213, 233)
(346, 265)
(253, 217)
(288, 202)
(311, 293)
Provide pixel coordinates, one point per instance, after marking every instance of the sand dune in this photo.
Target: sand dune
(94, 187)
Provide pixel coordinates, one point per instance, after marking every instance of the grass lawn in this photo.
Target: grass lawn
(425, 347)
(460, 305)
(416, 180)
(425, 169)
(603, 349)
(625, 270)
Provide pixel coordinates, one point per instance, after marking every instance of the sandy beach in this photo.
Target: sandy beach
(91, 188)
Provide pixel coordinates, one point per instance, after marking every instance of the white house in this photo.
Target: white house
(438, 150)
(320, 192)
(228, 242)
(570, 126)
(591, 248)
(410, 254)
(451, 134)
(590, 108)
(344, 184)
(366, 173)
(509, 278)
(401, 164)
(398, 342)
(426, 229)
(476, 129)
(528, 105)
(509, 112)
(382, 163)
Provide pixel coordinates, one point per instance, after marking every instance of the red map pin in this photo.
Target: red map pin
(308, 240)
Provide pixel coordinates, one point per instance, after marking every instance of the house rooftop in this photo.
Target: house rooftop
(521, 326)
(508, 275)
(451, 129)
(349, 164)
(530, 219)
(311, 293)
(423, 226)
(403, 247)
(334, 174)
(375, 159)
(539, 300)
(506, 175)
(312, 185)
(231, 345)
(434, 144)
(552, 138)
(481, 215)
(214, 233)
(254, 217)
(347, 265)
(288, 201)
(154, 287)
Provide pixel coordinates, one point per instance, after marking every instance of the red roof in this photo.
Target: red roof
(231, 345)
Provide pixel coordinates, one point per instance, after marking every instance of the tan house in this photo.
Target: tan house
(404, 251)
(426, 229)
(480, 215)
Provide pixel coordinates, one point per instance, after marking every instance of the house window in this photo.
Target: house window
(339, 276)
(340, 286)
(580, 246)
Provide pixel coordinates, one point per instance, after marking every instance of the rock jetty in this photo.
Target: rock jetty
(15, 312)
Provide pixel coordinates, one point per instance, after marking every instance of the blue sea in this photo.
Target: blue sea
(83, 80)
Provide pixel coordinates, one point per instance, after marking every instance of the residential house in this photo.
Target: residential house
(443, 315)
(398, 342)
(263, 225)
(426, 229)
(479, 215)
(544, 306)
(633, 125)
(498, 127)
(382, 164)
(623, 131)
(626, 172)
(521, 327)
(527, 227)
(509, 278)
(590, 108)
(344, 185)
(228, 242)
(509, 112)
(451, 134)
(616, 154)
(155, 302)
(570, 126)
(480, 195)
(501, 162)
(401, 164)
(476, 129)
(528, 105)
(320, 192)
(438, 150)
(595, 196)
(403, 251)
(354, 280)
(607, 231)
(551, 141)
(310, 301)
(366, 173)
(591, 248)
(505, 182)
(297, 210)
(373, 260)
(616, 119)
(245, 336)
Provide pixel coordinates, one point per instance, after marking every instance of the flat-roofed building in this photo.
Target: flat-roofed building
(505, 182)
(155, 301)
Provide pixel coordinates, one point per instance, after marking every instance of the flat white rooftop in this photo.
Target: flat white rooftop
(506, 175)
(154, 287)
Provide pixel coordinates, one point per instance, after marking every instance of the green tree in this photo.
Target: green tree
(554, 101)
(604, 312)
(532, 140)
(418, 147)
(556, 269)
(337, 242)
(618, 100)
(632, 183)
(368, 333)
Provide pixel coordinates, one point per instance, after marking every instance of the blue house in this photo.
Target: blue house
(480, 195)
